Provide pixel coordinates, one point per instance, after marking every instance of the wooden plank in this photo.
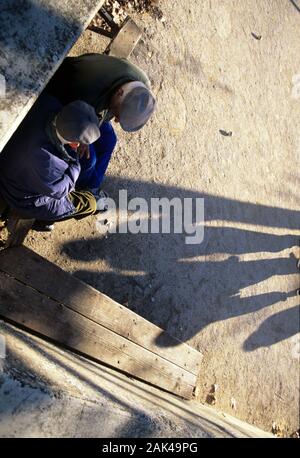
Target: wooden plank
(23, 305)
(13, 229)
(49, 279)
(18, 229)
(126, 40)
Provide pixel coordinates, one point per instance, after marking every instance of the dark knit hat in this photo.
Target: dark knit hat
(136, 109)
(78, 122)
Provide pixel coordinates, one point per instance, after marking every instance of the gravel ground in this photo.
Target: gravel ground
(217, 68)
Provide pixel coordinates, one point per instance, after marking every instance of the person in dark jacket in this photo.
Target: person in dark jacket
(39, 167)
(114, 86)
(117, 89)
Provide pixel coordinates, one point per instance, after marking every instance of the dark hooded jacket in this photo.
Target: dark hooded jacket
(35, 179)
(93, 78)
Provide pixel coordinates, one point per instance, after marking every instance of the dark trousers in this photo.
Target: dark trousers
(94, 168)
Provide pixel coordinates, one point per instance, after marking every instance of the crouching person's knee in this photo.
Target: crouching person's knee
(84, 202)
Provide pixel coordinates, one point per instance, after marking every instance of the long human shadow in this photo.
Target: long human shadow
(269, 332)
(184, 288)
(217, 208)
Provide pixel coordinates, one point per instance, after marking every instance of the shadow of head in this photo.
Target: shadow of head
(277, 327)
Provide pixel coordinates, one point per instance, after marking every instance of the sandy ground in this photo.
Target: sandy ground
(233, 297)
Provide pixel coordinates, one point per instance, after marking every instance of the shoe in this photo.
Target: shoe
(43, 226)
(101, 199)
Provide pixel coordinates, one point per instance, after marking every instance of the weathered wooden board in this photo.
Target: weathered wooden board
(126, 40)
(26, 306)
(13, 228)
(18, 229)
(47, 278)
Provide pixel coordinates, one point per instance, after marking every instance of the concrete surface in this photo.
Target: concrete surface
(35, 36)
(48, 392)
(234, 296)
